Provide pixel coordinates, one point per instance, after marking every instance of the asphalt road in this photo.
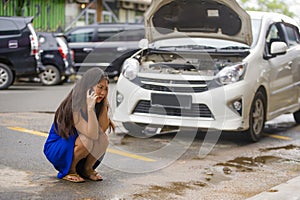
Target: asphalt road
(171, 166)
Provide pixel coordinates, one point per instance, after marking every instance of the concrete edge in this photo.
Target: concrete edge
(289, 190)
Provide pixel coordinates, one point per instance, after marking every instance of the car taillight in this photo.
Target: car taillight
(62, 53)
(35, 51)
(34, 45)
(72, 55)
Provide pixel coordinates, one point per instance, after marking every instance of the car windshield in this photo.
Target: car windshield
(198, 44)
(255, 24)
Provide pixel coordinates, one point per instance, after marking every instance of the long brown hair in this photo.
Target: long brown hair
(76, 102)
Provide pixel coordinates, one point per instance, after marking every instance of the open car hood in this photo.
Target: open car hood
(221, 19)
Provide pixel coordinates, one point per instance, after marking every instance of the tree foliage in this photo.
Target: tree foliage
(19, 7)
(278, 6)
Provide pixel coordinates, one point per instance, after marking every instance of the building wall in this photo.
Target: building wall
(132, 11)
(49, 15)
(56, 15)
(72, 10)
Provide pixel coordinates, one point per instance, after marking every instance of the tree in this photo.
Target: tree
(278, 6)
(19, 7)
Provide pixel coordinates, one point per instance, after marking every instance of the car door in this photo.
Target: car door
(293, 40)
(108, 40)
(119, 43)
(282, 92)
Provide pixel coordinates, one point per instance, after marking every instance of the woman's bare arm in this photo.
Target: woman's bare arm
(104, 120)
(89, 128)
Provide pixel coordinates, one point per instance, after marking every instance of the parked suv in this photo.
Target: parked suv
(19, 53)
(57, 58)
(211, 65)
(104, 45)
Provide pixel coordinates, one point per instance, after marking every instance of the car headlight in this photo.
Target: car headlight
(131, 68)
(231, 74)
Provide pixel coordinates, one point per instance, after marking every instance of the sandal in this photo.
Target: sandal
(93, 175)
(74, 178)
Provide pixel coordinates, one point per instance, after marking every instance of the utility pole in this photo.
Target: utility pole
(99, 10)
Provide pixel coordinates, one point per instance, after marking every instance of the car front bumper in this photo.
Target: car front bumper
(216, 111)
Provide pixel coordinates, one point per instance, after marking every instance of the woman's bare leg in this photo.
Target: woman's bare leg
(99, 148)
(81, 150)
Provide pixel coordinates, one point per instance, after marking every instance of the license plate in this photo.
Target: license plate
(172, 101)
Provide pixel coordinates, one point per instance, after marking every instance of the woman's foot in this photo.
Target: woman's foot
(93, 175)
(73, 177)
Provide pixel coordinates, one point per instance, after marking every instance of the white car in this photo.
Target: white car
(211, 65)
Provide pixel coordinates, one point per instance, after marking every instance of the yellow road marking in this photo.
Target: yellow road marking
(279, 137)
(114, 151)
(28, 131)
(122, 153)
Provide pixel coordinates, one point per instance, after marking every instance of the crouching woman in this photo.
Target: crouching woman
(77, 140)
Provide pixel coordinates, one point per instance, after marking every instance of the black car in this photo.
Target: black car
(19, 53)
(104, 45)
(56, 57)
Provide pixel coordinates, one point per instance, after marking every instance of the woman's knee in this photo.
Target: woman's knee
(104, 140)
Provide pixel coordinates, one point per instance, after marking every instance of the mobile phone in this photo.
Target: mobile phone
(91, 90)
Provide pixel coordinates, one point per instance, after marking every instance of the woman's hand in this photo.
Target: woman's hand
(91, 100)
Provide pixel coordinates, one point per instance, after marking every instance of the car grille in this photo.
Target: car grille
(183, 86)
(197, 110)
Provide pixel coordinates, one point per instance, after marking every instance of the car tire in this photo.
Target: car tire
(6, 76)
(297, 116)
(51, 76)
(257, 117)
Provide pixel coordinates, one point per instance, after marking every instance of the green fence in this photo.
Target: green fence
(49, 15)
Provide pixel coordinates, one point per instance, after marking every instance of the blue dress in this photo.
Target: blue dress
(59, 151)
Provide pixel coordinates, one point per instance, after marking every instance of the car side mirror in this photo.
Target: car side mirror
(143, 43)
(278, 48)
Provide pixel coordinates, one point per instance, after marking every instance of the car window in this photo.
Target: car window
(111, 34)
(133, 35)
(82, 35)
(273, 34)
(8, 28)
(292, 35)
(120, 35)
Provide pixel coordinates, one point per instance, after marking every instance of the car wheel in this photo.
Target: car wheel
(297, 116)
(51, 76)
(257, 117)
(6, 76)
